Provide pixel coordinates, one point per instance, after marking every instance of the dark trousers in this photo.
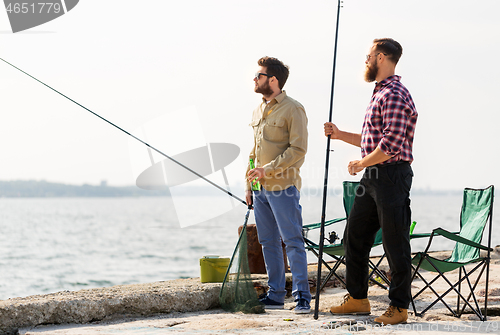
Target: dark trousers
(382, 201)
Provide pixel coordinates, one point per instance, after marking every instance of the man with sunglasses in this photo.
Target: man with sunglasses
(280, 144)
(382, 200)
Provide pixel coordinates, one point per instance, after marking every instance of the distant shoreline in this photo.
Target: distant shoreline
(45, 189)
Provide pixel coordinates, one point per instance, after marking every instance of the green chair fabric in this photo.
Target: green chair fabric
(477, 211)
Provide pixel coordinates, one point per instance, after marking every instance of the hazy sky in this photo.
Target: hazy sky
(136, 61)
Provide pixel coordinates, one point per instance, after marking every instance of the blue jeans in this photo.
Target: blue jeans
(278, 216)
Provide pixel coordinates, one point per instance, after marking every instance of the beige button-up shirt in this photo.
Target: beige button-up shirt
(280, 142)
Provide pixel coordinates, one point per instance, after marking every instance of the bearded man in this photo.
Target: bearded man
(383, 197)
(280, 144)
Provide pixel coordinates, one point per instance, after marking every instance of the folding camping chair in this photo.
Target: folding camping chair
(477, 210)
(336, 250)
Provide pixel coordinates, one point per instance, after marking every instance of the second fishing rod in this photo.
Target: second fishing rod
(327, 163)
(135, 137)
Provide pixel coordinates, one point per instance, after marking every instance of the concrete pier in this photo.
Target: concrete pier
(165, 298)
(182, 295)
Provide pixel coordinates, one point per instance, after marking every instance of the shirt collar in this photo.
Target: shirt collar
(387, 81)
(279, 98)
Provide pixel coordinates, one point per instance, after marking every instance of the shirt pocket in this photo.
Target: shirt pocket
(255, 126)
(274, 130)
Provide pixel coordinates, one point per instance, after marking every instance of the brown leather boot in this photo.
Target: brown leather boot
(352, 306)
(393, 316)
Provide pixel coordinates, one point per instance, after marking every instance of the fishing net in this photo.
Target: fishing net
(237, 293)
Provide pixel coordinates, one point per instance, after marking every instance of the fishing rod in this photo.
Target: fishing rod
(126, 132)
(325, 183)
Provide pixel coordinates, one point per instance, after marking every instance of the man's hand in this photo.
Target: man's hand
(249, 197)
(354, 167)
(257, 173)
(337, 134)
(332, 130)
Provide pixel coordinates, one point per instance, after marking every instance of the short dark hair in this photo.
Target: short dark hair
(389, 47)
(275, 68)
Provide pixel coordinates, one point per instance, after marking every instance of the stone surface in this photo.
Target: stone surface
(182, 295)
(165, 300)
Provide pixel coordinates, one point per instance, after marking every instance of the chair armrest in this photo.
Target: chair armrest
(452, 236)
(421, 235)
(318, 225)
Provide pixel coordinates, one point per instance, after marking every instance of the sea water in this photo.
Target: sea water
(55, 244)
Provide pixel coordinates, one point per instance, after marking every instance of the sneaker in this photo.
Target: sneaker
(393, 316)
(352, 306)
(302, 307)
(271, 304)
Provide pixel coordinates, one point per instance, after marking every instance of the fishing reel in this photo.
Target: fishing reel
(332, 237)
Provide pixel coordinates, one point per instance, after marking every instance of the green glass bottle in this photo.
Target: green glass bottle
(255, 183)
(412, 226)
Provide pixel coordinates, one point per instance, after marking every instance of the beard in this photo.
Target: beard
(371, 72)
(265, 89)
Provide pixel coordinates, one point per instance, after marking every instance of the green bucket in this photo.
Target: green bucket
(213, 269)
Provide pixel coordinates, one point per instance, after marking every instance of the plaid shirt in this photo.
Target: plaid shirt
(390, 121)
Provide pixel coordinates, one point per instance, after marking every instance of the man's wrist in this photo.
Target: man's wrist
(342, 135)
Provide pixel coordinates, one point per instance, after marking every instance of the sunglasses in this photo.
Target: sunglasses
(370, 56)
(258, 74)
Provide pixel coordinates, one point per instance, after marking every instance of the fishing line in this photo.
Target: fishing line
(126, 132)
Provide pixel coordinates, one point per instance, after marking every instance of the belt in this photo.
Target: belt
(390, 164)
